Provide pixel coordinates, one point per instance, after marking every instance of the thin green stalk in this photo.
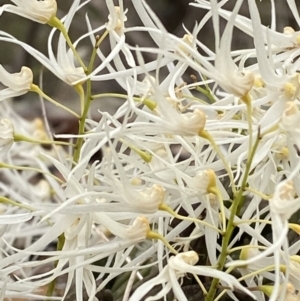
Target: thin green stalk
(20, 137)
(207, 93)
(206, 135)
(85, 100)
(35, 88)
(237, 204)
(16, 204)
(82, 120)
(51, 286)
(15, 167)
(146, 101)
(55, 22)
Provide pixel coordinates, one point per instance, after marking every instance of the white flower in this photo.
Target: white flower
(146, 200)
(17, 83)
(38, 11)
(63, 65)
(171, 121)
(6, 135)
(177, 267)
(284, 203)
(226, 73)
(138, 230)
(231, 79)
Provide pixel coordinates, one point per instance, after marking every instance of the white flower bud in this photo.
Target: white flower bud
(6, 135)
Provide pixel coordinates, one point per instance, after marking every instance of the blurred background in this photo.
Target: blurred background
(173, 14)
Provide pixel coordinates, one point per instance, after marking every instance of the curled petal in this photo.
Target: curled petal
(238, 83)
(17, 81)
(148, 199)
(290, 117)
(136, 231)
(284, 202)
(38, 11)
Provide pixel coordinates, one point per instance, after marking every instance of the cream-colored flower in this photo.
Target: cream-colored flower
(35, 10)
(178, 266)
(138, 230)
(284, 203)
(17, 83)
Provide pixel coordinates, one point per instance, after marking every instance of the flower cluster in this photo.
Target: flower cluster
(207, 152)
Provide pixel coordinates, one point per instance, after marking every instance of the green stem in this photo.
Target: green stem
(35, 88)
(20, 137)
(85, 105)
(147, 157)
(149, 103)
(157, 236)
(166, 208)
(15, 204)
(237, 204)
(55, 22)
(15, 167)
(51, 286)
(207, 93)
(82, 120)
(206, 135)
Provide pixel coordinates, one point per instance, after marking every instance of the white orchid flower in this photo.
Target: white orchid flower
(17, 83)
(233, 79)
(138, 230)
(177, 267)
(284, 203)
(63, 65)
(35, 10)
